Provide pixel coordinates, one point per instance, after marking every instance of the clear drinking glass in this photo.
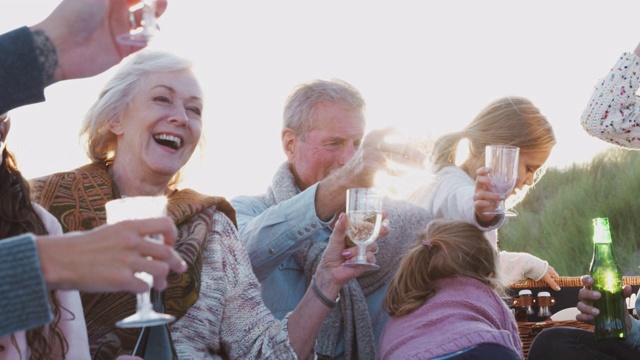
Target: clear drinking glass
(364, 211)
(136, 208)
(503, 162)
(145, 10)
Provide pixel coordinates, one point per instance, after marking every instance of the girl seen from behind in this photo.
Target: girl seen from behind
(445, 300)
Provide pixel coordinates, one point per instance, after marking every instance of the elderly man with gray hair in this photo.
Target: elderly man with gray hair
(286, 229)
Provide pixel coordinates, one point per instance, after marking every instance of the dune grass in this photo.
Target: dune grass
(554, 220)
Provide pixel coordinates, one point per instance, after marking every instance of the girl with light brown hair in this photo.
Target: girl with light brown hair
(445, 299)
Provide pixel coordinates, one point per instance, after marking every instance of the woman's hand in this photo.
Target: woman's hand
(332, 267)
(483, 198)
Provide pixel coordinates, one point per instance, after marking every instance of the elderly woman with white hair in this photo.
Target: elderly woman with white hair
(139, 134)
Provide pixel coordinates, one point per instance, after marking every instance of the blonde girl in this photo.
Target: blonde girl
(463, 192)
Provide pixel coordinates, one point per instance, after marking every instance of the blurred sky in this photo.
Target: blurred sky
(424, 66)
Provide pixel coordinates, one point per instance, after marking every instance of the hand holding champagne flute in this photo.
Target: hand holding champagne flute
(364, 211)
(136, 208)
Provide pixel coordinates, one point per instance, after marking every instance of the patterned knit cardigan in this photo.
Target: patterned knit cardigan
(216, 302)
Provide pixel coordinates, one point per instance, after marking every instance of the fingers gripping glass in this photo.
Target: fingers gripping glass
(364, 211)
(503, 163)
(135, 208)
(140, 35)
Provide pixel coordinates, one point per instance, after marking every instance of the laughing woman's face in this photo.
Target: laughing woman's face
(162, 125)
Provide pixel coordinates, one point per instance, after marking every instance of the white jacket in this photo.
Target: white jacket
(450, 195)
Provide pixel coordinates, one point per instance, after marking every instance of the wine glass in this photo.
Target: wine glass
(140, 35)
(135, 208)
(503, 163)
(364, 211)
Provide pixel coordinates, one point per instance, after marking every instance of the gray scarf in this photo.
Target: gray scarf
(352, 312)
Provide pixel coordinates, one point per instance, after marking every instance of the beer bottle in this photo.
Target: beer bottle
(610, 323)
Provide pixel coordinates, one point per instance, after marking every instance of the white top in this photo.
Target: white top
(72, 323)
(450, 196)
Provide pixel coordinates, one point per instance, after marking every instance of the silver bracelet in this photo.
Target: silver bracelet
(323, 299)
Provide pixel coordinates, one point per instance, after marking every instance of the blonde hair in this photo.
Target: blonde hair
(510, 120)
(446, 248)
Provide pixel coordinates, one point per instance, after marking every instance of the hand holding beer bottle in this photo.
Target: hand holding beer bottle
(610, 323)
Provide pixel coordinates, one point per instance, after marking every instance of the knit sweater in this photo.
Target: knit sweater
(20, 72)
(450, 196)
(229, 315)
(613, 112)
(613, 115)
(463, 312)
(226, 318)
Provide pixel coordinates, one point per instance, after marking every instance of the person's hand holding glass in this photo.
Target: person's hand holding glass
(137, 208)
(364, 212)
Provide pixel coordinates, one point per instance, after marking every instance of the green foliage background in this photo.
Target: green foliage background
(554, 219)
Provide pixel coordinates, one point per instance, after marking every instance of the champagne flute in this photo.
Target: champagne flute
(364, 211)
(141, 35)
(136, 208)
(503, 163)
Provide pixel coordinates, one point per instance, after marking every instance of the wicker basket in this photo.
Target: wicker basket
(567, 297)
(566, 281)
(529, 330)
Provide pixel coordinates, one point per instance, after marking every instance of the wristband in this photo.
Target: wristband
(323, 299)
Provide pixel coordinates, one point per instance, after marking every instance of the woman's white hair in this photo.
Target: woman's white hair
(117, 94)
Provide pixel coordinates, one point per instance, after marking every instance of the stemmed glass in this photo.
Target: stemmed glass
(135, 208)
(140, 35)
(364, 211)
(503, 163)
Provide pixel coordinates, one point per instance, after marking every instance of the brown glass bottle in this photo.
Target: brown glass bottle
(610, 323)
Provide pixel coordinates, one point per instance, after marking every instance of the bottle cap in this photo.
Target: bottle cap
(525, 292)
(544, 294)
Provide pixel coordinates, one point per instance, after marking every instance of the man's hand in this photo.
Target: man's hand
(376, 155)
(587, 296)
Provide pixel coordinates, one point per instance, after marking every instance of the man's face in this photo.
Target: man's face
(331, 142)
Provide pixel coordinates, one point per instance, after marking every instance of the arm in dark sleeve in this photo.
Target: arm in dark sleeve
(24, 302)
(21, 78)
